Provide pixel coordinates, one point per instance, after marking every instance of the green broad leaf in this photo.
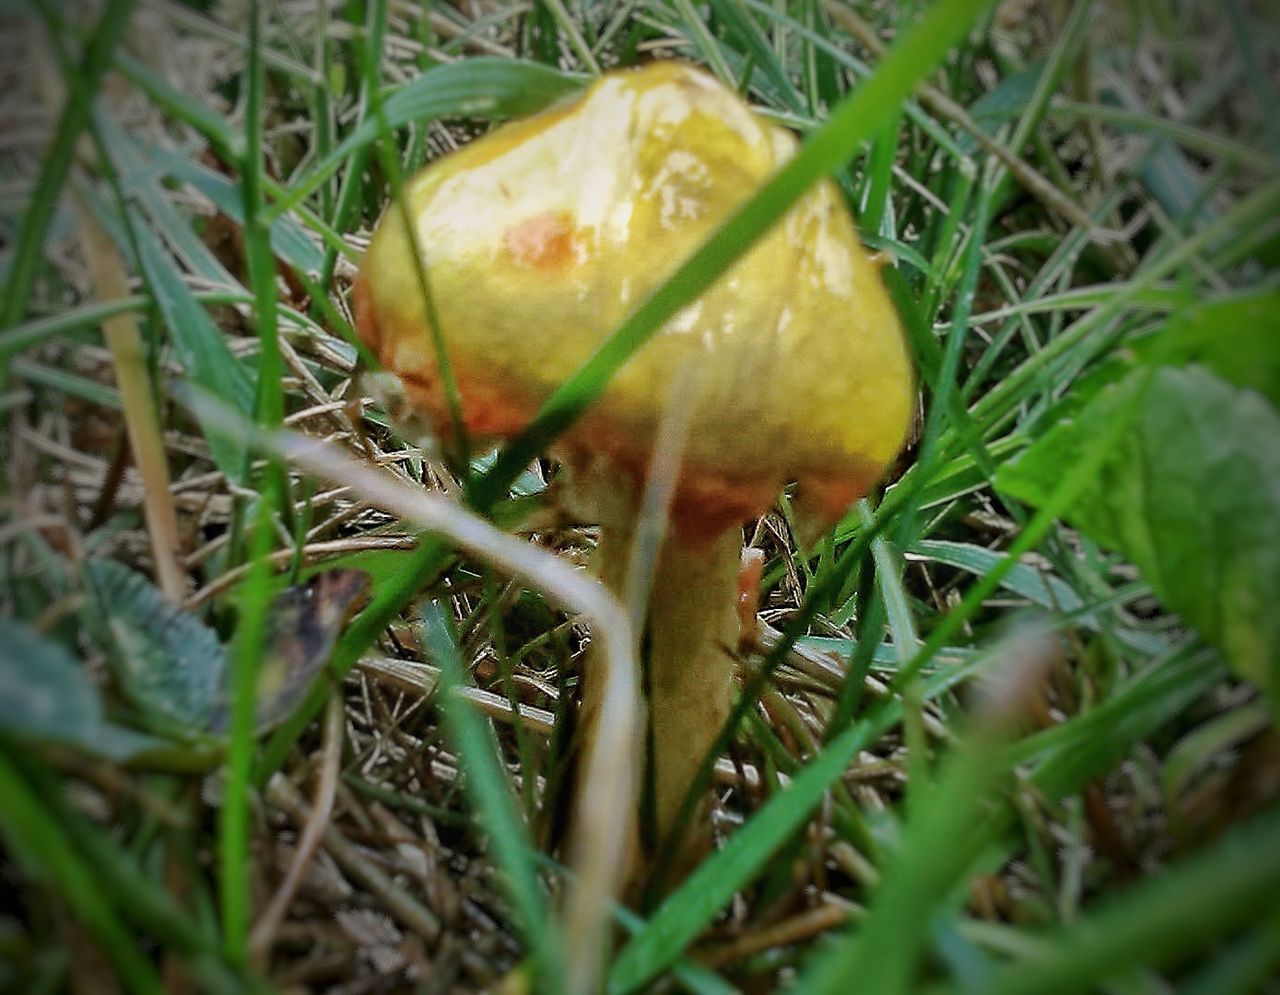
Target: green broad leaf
(168, 662)
(45, 694)
(1237, 337)
(173, 667)
(1191, 495)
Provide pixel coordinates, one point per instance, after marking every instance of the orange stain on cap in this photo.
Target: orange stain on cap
(543, 241)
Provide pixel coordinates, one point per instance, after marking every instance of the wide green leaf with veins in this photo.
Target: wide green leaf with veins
(1191, 495)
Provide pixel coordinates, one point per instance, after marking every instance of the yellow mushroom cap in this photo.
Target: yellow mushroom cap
(541, 237)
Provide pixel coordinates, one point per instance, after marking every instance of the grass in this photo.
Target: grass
(997, 740)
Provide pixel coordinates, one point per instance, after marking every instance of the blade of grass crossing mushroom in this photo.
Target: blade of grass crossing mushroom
(655, 502)
(917, 53)
(493, 799)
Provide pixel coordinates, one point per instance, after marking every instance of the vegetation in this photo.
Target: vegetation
(270, 720)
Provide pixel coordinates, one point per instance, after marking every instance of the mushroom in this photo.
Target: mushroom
(539, 239)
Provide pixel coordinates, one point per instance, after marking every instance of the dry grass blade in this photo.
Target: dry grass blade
(145, 439)
(125, 342)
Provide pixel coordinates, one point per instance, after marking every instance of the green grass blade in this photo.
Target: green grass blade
(1161, 921)
(709, 888)
(943, 837)
(35, 837)
(258, 255)
(226, 141)
(53, 171)
(235, 871)
(1243, 217)
(198, 343)
(69, 383)
(143, 175)
(288, 239)
(492, 798)
(734, 14)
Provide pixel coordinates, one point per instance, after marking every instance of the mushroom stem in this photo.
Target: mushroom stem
(687, 641)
